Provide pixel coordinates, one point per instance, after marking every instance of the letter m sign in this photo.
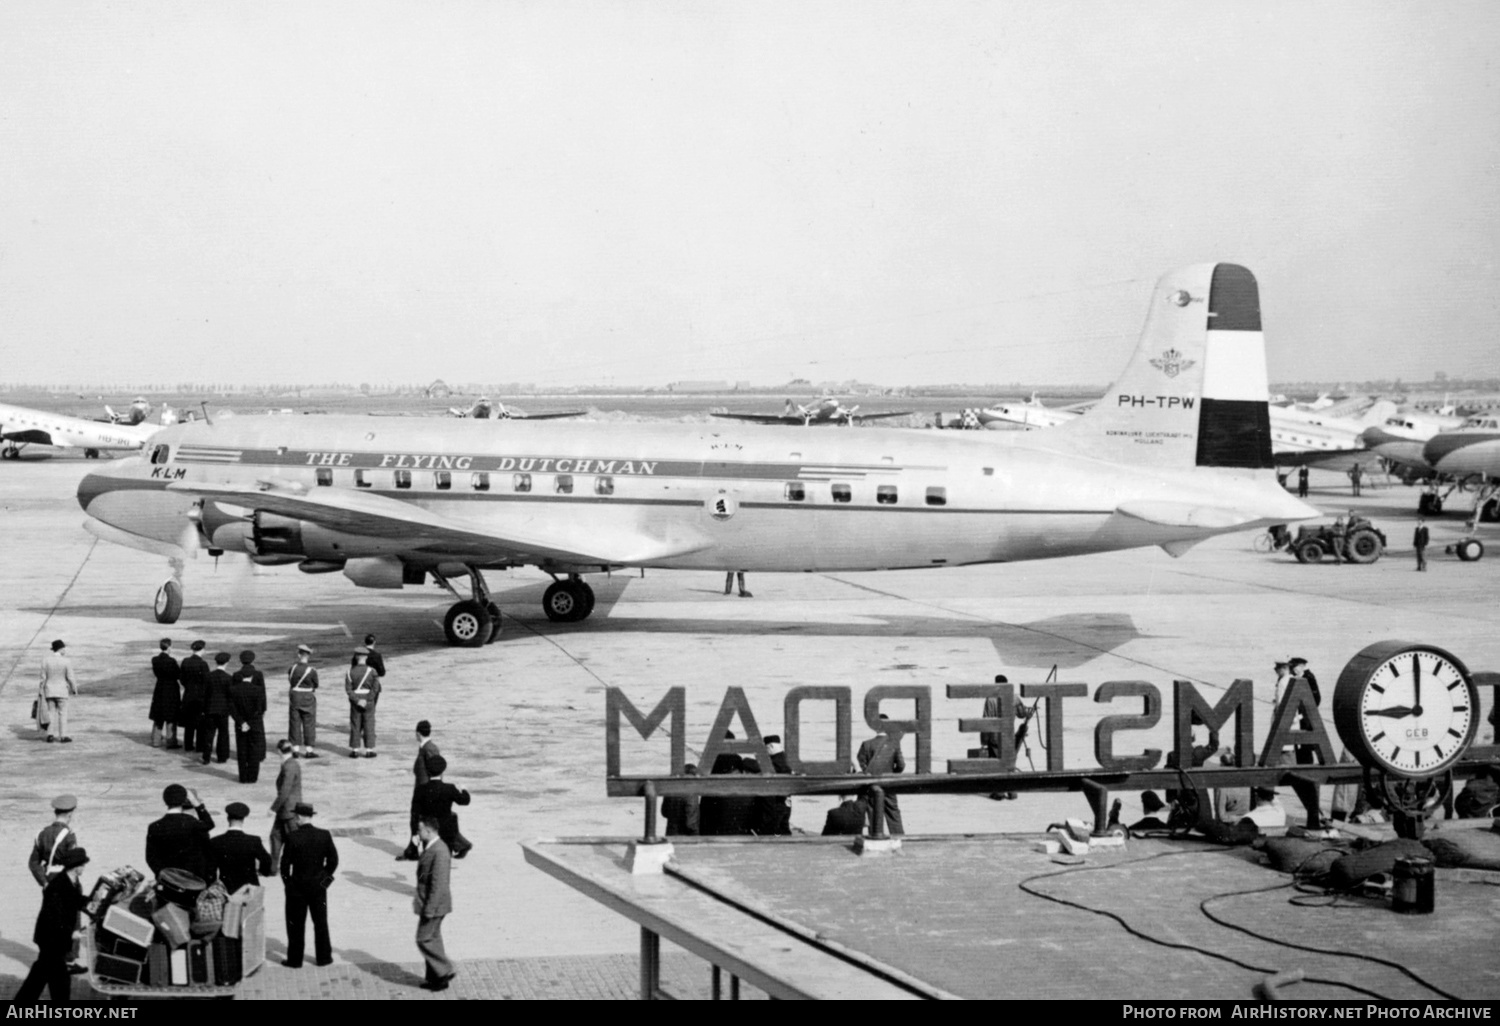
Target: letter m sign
(673, 703)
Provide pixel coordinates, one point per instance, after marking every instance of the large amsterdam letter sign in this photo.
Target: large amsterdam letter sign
(1297, 721)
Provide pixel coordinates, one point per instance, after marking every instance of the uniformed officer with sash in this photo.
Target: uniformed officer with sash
(362, 685)
(303, 701)
(53, 841)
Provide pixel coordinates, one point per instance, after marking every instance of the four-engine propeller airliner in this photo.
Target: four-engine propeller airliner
(829, 409)
(21, 426)
(1178, 450)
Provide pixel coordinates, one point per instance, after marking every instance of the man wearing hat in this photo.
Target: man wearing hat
(362, 685)
(166, 699)
(53, 841)
(240, 858)
(302, 700)
(56, 925)
(213, 734)
(194, 676)
(247, 705)
(435, 800)
(307, 867)
(57, 687)
(288, 797)
(179, 840)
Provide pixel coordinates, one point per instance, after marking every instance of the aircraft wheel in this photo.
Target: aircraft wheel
(1310, 552)
(10, 454)
(1363, 547)
(1489, 513)
(467, 625)
(1470, 550)
(494, 612)
(91, 454)
(168, 602)
(567, 602)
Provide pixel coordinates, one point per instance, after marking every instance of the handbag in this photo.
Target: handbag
(40, 714)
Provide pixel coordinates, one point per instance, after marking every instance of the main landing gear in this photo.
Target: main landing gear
(473, 622)
(568, 601)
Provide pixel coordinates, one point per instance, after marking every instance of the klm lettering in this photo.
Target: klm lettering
(537, 464)
(1163, 402)
(169, 473)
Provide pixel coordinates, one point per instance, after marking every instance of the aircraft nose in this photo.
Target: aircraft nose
(91, 487)
(1447, 443)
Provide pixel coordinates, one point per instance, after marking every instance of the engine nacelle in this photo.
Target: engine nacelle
(268, 536)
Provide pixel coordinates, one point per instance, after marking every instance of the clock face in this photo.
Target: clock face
(1414, 710)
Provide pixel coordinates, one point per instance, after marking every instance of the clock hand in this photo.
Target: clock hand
(1395, 712)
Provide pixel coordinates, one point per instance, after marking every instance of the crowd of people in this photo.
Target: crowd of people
(192, 709)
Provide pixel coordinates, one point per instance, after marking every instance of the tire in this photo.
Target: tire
(561, 603)
(1310, 551)
(1363, 547)
(494, 612)
(168, 602)
(588, 600)
(91, 454)
(1470, 550)
(1489, 513)
(467, 625)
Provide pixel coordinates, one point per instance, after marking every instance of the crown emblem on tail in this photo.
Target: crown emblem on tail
(1172, 364)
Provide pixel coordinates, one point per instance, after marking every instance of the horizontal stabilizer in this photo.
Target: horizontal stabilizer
(1186, 514)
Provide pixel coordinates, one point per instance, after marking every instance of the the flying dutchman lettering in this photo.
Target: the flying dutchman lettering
(1164, 402)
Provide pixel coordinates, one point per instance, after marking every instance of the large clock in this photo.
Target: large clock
(1409, 710)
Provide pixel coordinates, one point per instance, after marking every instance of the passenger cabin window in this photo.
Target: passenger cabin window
(842, 493)
(604, 485)
(796, 491)
(937, 496)
(362, 479)
(480, 481)
(564, 484)
(325, 476)
(443, 479)
(160, 453)
(403, 479)
(522, 482)
(886, 495)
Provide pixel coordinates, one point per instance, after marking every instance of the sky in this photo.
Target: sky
(640, 192)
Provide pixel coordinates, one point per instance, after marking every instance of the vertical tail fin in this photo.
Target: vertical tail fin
(1195, 392)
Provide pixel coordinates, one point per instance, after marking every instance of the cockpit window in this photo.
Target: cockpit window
(160, 454)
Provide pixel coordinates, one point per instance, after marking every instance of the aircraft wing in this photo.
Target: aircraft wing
(1329, 459)
(882, 416)
(546, 416)
(763, 418)
(377, 516)
(33, 436)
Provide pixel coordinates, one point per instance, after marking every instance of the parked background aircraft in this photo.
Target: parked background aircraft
(1178, 450)
(1024, 416)
(484, 409)
(1400, 441)
(826, 410)
(135, 413)
(21, 426)
(1323, 438)
(1471, 454)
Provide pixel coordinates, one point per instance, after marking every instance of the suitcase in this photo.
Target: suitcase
(121, 970)
(158, 965)
(177, 963)
(174, 924)
(128, 925)
(200, 962)
(228, 954)
(253, 940)
(109, 944)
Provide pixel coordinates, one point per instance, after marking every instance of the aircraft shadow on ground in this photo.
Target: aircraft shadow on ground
(1067, 641)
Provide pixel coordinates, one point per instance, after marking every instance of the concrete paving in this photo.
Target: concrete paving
(521, 722)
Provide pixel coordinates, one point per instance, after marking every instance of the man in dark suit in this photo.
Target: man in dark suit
(241, 858)
(166, 700)
(247, 704)
(435, 800)
(848, 818)
(288, 797)
(307, 867)
(56, 923)
(433, 901)
(375, 659)
(878, 756)
(213, 735)
(427, 750)
(179, 840)
(194, 676)
(1419, 539)
(772, 815)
